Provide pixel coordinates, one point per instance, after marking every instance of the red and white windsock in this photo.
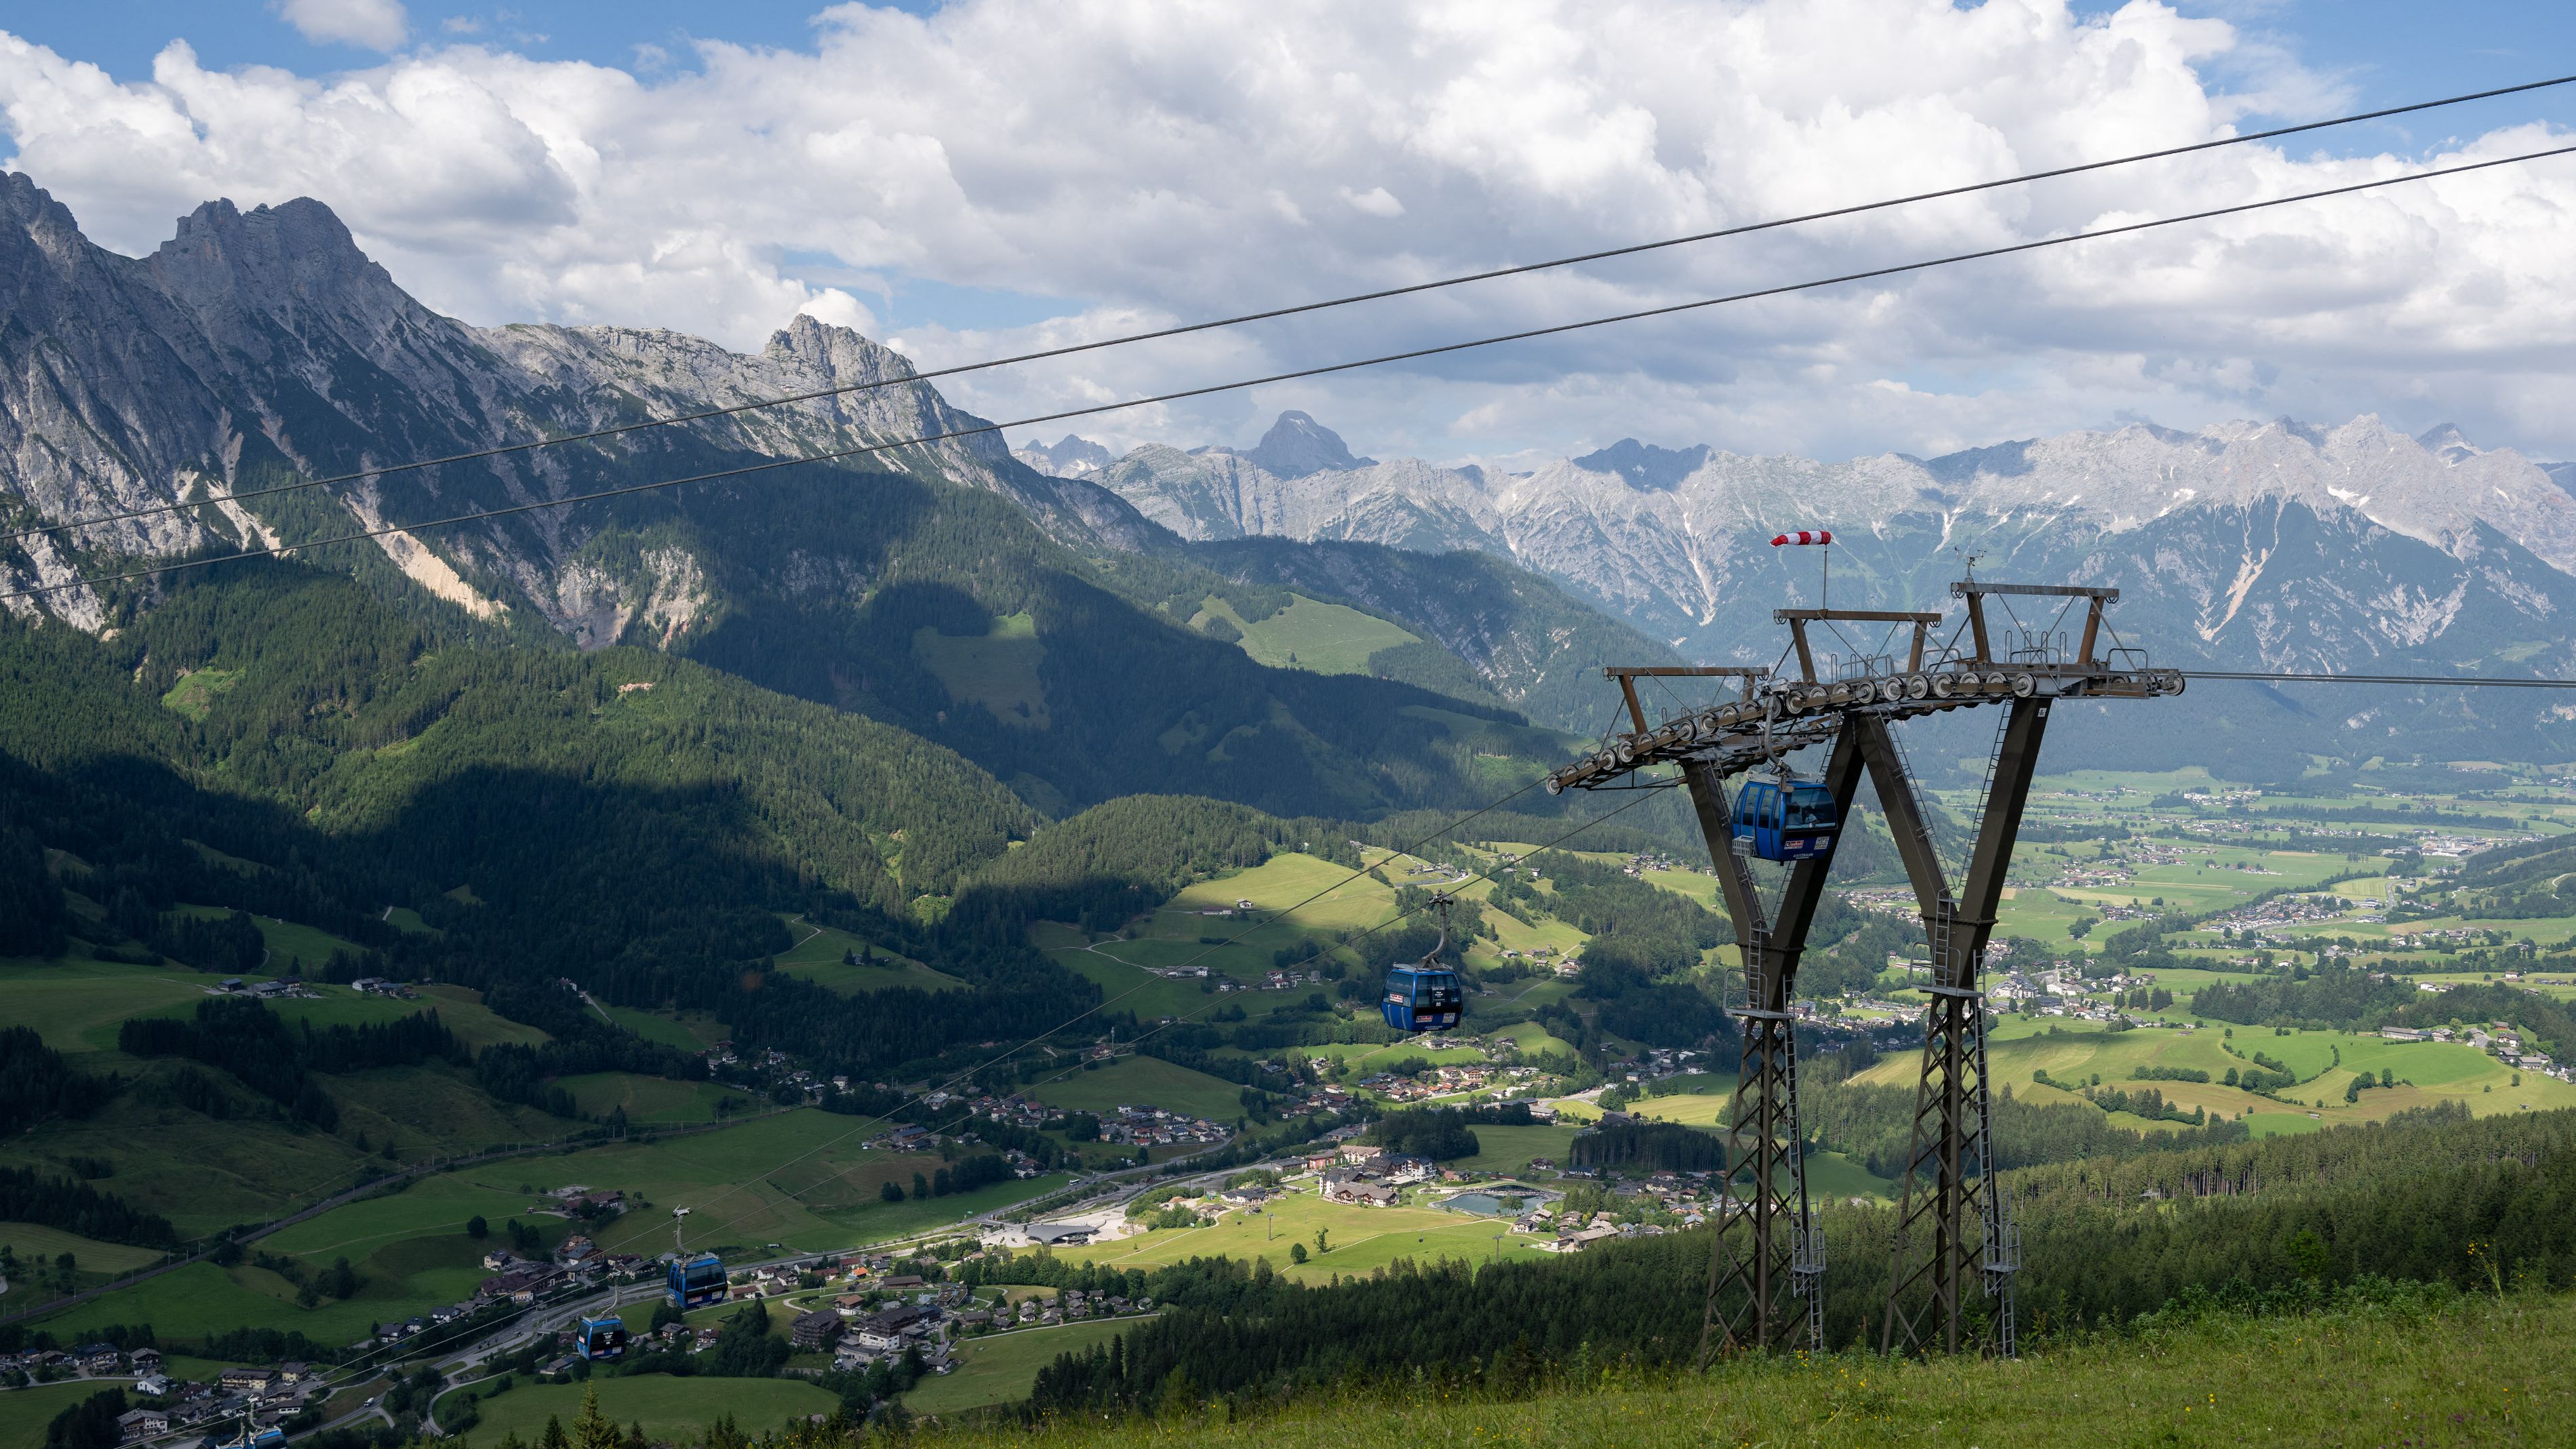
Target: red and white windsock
(1804, 535)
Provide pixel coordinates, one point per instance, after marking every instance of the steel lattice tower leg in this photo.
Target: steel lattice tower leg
(1955, 1244)
(1765, 1268)
(1945, 1225)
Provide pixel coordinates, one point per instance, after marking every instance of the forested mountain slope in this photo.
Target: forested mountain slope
(1037, 625)
(1537, 647)
(289, 745)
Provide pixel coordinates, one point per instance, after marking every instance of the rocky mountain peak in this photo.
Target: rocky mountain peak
(27, 207)
(1068, 457)
(2448, 443)
(837, 352)
(1668, 537)
(1297, 445)
(292, 263)
(1645, 466)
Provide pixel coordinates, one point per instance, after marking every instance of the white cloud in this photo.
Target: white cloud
(1373, 202)
(373, 24)
(1159, 162)
(840, 309)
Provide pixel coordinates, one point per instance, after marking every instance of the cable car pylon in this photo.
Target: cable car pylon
(1767, 1263)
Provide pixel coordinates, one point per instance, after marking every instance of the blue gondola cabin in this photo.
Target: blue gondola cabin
(1792, 820)
(1422, 998)
(602, 1338)
(696, 1282)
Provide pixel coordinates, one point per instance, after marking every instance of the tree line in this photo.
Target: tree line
(243, 1037)
(1641, 1142)
(36, 1083)
(76, 1207)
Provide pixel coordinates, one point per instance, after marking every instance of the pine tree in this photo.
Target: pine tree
(592, 1429)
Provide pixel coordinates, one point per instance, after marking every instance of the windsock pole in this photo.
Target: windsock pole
(1813, 537)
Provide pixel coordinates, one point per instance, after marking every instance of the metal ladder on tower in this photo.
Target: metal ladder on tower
(2000, 1255)
(1807, 1240)
(1986, 785)
(1922, 818)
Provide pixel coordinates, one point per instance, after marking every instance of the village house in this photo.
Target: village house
(1360, 1191)
(815, 1332)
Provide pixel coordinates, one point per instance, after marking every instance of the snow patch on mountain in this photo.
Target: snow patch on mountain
(1674, 539)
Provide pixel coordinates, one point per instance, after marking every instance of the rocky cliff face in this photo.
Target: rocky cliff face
(2271, 544)
(257, 347)
(1034, 624)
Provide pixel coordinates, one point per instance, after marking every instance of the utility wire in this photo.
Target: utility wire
(1557, 329)
(1301, 308)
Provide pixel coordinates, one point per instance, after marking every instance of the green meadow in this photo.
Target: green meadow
(1359, 1238)
(653, 1026)
(817, 957)
(2482, 1372)
(292, 949)
(1309, 634)
(76, 1005)
(2427, 1072)
(654, 1100)
(1144, 1081)
(997, 669)
(1509, 1149)
(999, 1368)
(34, 1240)
(22, 1424)
(670, 1409)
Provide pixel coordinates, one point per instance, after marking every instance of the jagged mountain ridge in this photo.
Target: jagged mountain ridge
(2192, 524)
(1030, 622)
(258, 345)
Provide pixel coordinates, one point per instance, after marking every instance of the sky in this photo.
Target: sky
(982, 177)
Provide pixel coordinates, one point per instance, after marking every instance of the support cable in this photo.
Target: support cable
(2483, 681)
(1297, 309)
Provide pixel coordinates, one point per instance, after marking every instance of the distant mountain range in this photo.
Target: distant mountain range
(2257, 546)
(1050, 614)
(1674, 539)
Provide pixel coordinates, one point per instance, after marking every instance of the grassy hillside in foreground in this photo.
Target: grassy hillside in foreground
(2478, 1372)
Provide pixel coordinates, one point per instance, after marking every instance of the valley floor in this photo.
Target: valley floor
(2481, 1372)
